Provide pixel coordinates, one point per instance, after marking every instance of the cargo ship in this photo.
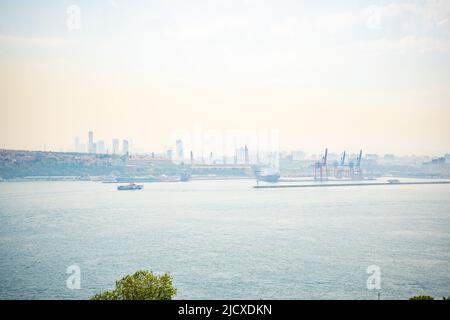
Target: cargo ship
(268, 177)
(271, 173)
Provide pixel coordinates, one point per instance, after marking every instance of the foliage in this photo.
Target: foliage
(142, 285)
(421, 298)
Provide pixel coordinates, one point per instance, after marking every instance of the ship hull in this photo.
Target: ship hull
(269, 178)
(130, 187)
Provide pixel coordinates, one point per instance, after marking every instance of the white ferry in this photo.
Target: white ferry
(131, 186)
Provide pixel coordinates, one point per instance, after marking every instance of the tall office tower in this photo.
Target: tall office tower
(115, 146)
(76, 145)
(179, 146)
(247, 159)
(125, 148)
(91, 146)
(101, 147)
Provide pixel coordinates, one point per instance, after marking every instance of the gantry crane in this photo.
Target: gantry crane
(340, 170)
(355, 169)
(321, 166)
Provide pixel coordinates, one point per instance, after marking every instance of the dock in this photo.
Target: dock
(348, 184)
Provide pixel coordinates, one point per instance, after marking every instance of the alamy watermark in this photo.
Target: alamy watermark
(219, 143)
(73, 20)
(73, 282)
(374, 280)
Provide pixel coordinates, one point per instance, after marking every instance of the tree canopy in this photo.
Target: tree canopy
(142, 285)
(421, 298)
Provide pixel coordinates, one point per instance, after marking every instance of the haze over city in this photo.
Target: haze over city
(239, 157)
(347, 75)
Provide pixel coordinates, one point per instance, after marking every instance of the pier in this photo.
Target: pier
(348, 184)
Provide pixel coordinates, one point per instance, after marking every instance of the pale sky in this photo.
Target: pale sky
(337, 74)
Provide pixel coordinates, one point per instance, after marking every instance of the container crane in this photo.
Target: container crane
(340, 168)
(320, 166)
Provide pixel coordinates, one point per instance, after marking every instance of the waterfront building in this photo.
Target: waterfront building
(179, 149)
(77, 145)
(115, 146)
(125, 147)
(91, 145)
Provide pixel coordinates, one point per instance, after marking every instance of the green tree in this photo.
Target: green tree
(142, 285)
(421, 298)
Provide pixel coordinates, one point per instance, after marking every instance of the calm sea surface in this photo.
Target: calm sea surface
(224, 239)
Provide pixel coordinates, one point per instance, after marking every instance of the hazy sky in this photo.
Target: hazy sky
(348, 75)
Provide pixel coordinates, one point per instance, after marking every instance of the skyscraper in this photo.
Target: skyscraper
(179, 145)
(76, 145)
(247, 159)
(91, 145)
(125, 148)
(115, 146)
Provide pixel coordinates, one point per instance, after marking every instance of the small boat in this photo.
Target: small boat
(393, 181)
(131, 186)
(184, 176)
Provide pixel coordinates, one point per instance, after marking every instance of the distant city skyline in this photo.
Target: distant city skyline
(344, 75)
(100, 146)
(177, 151)
(203, 146)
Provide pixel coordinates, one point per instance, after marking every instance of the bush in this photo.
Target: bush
(142, 285)
(421, 298)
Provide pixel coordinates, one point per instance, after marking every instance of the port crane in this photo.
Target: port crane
(340, 170)
(321, 167)
(351, 170)
(355, 169)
